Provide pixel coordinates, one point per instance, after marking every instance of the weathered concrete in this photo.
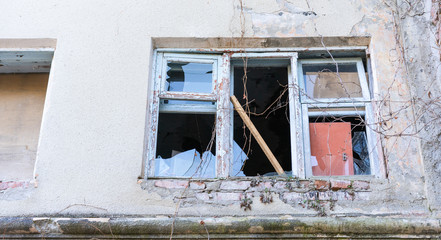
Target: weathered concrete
(422, 62)
(220, 228)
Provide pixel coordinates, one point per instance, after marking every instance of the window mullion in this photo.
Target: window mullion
(374, 145)
(223, 143)
(307, 146)
(363, 80)
(298, 168)
(154, 115)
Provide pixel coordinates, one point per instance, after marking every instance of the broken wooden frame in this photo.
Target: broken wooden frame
(222, 82)
(338, 107)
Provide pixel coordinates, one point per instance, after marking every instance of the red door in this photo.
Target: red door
(331, 145)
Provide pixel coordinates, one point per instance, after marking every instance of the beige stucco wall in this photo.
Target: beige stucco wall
(21, 106)
(91, 142)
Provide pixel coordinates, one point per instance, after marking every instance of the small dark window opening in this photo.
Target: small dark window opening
(265, 86)
(178, 136)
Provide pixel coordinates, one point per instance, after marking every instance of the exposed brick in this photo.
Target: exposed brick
(292, 197)
(197, 185)
(321, 184)
(311, 195)
(326, 196)
(13, 184)
(363, 196)
(235, 185)
(304, 183)
(203, 196)
(280, 185)
(360, 185)
(171, 183)
(213, 185)
(344, 196)
(301, 184)
(340, 184)
(265, 185)
(224, 196)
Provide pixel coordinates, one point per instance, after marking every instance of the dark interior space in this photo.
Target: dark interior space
(182, 132)
(265, 85)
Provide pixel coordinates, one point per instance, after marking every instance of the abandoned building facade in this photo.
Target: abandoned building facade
(220, 119)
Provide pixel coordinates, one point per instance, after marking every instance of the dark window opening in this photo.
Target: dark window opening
(186, 145)
(267, 89)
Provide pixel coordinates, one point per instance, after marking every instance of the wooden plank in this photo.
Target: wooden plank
(257, 136)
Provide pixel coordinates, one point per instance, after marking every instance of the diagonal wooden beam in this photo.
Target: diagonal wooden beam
(257, 136)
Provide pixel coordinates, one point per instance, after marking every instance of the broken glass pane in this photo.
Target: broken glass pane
(268, 103)
(238, 161)
(362, 165)
(328, 81)
(189, 77)
(185, 145)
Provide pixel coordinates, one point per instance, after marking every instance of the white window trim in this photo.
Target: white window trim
(297, 159)
(223, 108)
(363, 102)
(361, 76)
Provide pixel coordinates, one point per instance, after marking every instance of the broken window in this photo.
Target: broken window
(266, 89)
(335, 100)
(185, 145)
(313, 116)
(23, 82)
(185, 133)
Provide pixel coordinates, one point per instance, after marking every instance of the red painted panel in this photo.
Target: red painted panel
(331, 145)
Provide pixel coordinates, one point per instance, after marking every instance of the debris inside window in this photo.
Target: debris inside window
(322, 80)
(185, 145)
(189, 77)
(239, 159)
(338, 146)
(268, 103)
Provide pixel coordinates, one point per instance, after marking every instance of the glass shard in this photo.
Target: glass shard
(185, 145)
(189, 77)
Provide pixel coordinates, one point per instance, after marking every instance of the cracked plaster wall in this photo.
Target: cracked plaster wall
(92, 137)
(422, 58)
